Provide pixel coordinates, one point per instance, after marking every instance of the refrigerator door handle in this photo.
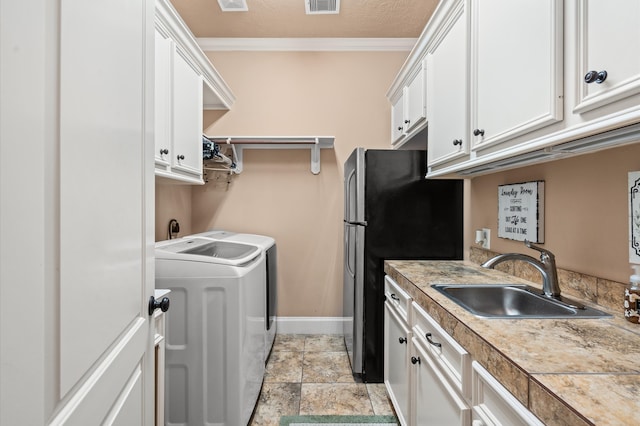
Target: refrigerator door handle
(364, 223)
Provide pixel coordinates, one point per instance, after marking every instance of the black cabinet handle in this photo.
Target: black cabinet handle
(478, 132)
(402, 340)
(595, 77)
(162, 304)
(394, 297)
(457, 142)
(436, 344)
(180, 157)
(164, 151)
(400, 128)
(415, 360)
(407, 121)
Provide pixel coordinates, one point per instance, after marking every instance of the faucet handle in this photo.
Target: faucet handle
(540, 249)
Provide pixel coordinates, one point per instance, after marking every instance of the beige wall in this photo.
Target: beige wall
(339, 94)
(173, 201)
(586, 210)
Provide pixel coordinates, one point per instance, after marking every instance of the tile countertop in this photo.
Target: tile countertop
(567, 372)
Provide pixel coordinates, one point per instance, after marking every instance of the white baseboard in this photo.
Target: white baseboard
(309, 325)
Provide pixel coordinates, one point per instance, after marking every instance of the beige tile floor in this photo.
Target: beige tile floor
(310, 374)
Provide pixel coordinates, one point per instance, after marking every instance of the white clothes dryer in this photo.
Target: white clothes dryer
(215, 346)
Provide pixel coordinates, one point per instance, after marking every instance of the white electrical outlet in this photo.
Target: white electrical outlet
(487, 238)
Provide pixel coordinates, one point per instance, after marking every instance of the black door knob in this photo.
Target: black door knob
(180, 157)
(457, 142)
(415, 360)
(595, 77)
(478, 132)
(162, 304)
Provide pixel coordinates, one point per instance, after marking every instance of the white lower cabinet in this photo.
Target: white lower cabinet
(494, 405)
(434, 400)
(432, 380)
(397, 339)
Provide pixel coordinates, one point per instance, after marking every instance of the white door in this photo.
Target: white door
(76, 212)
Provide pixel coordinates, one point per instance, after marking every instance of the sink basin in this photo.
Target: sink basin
(513, 301)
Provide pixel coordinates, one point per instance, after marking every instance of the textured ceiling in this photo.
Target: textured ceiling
(287, 18)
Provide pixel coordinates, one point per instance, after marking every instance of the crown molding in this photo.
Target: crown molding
(305, 44)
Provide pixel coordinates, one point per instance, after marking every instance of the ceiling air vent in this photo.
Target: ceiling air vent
(233, 5)
(317, 7)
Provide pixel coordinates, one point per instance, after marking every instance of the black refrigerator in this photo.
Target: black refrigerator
(391, 212)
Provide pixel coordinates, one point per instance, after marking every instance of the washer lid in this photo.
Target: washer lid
(205, 250)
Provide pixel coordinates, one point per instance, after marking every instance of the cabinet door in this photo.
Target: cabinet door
(435, 402)
(603, 28)
(493, 405)
(416, 101)
(187, 117)
(397, 338)
(162, 101)
(397, 120)
(447, 89)
(516, 68)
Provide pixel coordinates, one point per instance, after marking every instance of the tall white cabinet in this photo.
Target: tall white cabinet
(76, 253)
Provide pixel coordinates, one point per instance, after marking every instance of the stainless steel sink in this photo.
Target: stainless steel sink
(513, 301)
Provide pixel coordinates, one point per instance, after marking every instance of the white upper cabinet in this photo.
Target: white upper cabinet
(162, 118)
(608, 47)
(186, 83)
(408, 105)
(447, 88)
(187, 117)
(409, 109)
(516, 68)
(416, 109)
(397, 119)
(511, 84)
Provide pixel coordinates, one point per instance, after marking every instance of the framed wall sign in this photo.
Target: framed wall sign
(634, 217)
(521, 211)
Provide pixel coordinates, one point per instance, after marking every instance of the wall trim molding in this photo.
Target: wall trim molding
(309, 325)
(305, 44)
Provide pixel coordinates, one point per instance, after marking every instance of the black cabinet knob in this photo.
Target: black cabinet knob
(415, 360)
(478, 132)
(162, 304)
(402, 340)
(457, 142)
(407, 121)
(595, 77)
(164, 151)
(180, 157)
(400, 128)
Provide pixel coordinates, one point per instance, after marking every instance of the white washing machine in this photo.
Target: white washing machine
(215, 345)
(268, 245)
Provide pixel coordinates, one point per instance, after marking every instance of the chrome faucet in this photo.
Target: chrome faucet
(546, 266)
